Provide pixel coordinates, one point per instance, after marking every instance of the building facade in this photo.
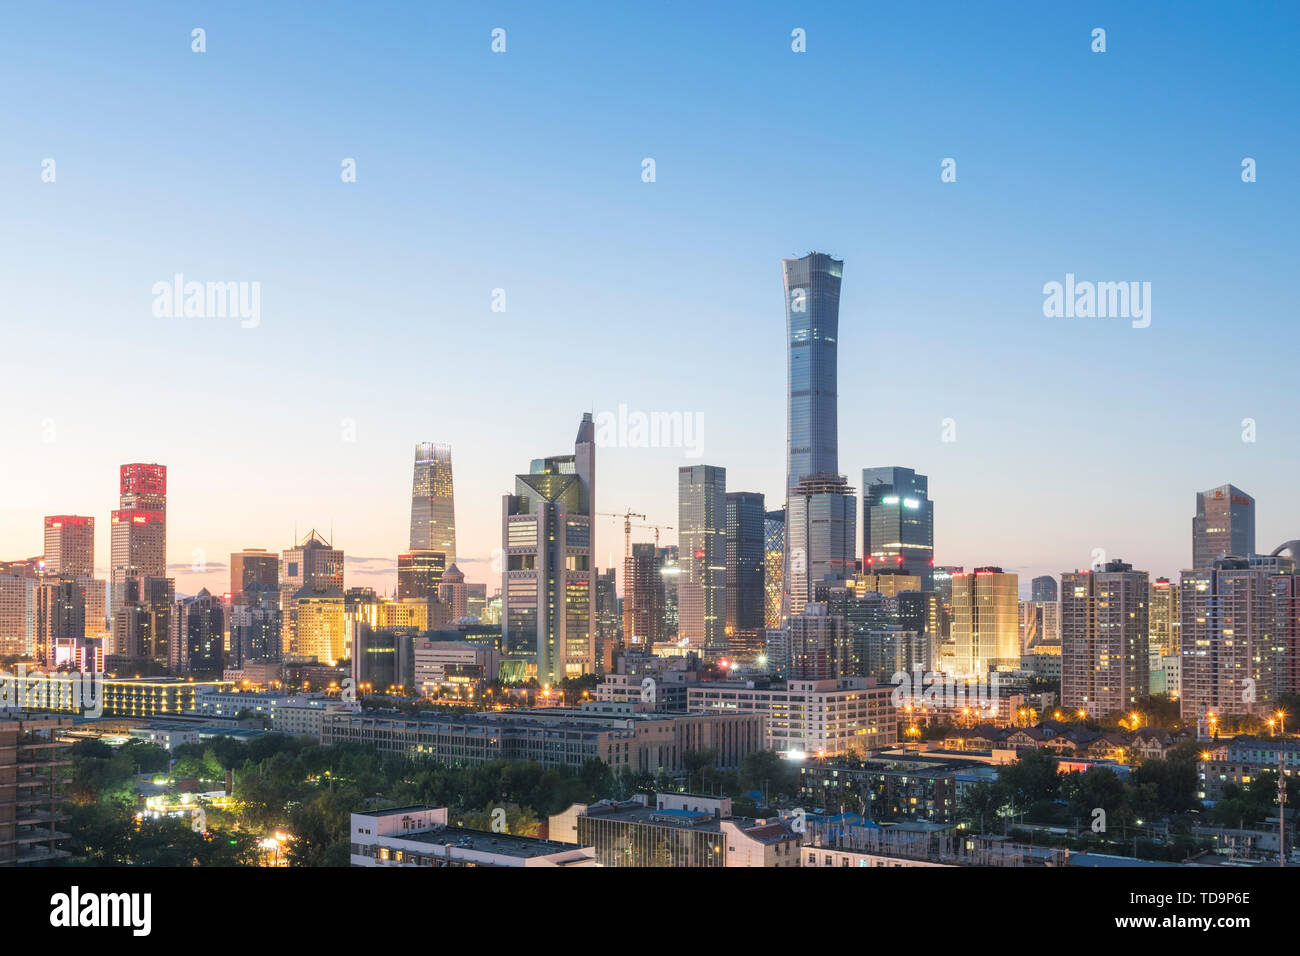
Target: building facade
(139, 533)
(898, 522)
(1224, 524)
(702, 543)
(70, 545)
(1105, 664)
(745, 598)
(1227, 649)
(548, 587)
(433, 502)
(985, 621)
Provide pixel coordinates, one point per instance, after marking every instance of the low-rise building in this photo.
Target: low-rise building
(421, 836)
(808, 717)
(648, 742)
(166, 735)
(680, 830)
(1242, 759)
(451, 665)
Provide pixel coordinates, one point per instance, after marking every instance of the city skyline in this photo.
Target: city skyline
(1089, 416)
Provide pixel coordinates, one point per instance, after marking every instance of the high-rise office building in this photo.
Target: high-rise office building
(943, 588)
(548, 584)
(58, 612)
(1040, 625)
(142, 623)
(643, 597)
(812, 309)
(15, 635)
(1164, 616)
(819, 644)
(702, 543)
(816, 519)
(255, 625)
(311, 599)
(433, 504)
(70, 553)
(1104, 639)
(670, 573)
(898, 522)
(1228, 653)
(1043, 588)
(475, 600)
(1224, 525)
(820, 537)
(773, 566)
(746, 520)
(198, 627)
(985, 622)
(252, 566)
(609, 621)
(139, 533)
(70, 545)
(419, 573)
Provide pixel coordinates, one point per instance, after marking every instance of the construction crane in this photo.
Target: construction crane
(627, 528)
(657, 528)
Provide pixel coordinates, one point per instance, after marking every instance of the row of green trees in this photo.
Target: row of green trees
(310, 790)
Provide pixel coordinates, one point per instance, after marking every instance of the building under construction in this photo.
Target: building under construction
(31, 758)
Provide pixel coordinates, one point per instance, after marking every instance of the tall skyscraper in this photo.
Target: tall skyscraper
(820, 524)
(548, 585)
(142, 624)
(419, 573)
(812, 309)
(255, 623)
(670, 573)
(139, 533)
(702, 541)
(58, 610)
(643, 597)
(1043, 588)
(898, 522)
(1228, 653)
(820, 537)
(311, 599)
(198, 627)
(773, 566)
(70, 553)
(1104, 635)
(433, 504)
(609, 623)
(252, 566)
(70, 545)
(1224, 525)
(985, 621)
(745, 617)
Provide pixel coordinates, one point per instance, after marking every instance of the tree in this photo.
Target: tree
(1032, 780)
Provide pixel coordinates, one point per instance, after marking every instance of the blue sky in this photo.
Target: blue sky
(521, 171)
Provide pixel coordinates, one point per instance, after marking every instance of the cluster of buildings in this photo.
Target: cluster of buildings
(281, 610)
(803, 614)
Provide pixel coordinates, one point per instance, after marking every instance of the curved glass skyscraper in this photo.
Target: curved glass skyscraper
(812, 315)
(820, 509)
